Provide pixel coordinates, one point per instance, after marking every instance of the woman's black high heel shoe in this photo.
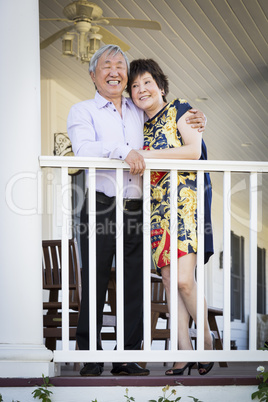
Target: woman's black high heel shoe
(180, 371)
(207, 367)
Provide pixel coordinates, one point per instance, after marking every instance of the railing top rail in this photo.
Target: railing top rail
(156, 164)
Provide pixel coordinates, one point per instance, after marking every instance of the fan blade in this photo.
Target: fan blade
(54, 19)
(131, 23)
(108, 37)
(55, 36)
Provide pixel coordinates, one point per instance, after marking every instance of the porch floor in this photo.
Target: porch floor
(242, 373)
(158, 369)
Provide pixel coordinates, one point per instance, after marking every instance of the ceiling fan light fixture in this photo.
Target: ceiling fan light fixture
(94, 43)
(82, 8)
(85, 58)
(84, 16)
(67, 45)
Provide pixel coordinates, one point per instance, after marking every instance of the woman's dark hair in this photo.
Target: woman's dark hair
(141, 66)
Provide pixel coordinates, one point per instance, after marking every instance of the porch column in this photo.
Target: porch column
(22, 353)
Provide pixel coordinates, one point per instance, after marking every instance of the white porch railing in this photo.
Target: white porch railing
(147, 354)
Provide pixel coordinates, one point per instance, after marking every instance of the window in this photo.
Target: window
(261, 281)
(237, 278)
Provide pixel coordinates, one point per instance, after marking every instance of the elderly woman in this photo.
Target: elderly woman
(168, 136)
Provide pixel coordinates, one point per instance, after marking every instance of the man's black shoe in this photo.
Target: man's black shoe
(130, 369)
(91, 369)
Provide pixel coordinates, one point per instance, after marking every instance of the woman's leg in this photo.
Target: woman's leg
(188, 291)
(187, 301)
(184, 342)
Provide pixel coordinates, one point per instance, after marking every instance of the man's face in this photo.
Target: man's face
(110, 77)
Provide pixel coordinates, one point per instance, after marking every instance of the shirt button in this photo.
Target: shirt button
(120, 157)
(127, 143)
(129, 179)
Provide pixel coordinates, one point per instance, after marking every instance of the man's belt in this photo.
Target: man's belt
(128, 204)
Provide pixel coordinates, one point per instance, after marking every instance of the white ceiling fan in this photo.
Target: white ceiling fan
(85, 18)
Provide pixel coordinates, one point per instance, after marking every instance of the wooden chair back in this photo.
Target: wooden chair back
(52, 283)
(159, 309)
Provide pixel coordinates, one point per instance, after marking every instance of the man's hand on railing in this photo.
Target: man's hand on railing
(136, 162)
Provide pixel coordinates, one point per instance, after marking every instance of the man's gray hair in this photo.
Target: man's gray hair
(107, 48)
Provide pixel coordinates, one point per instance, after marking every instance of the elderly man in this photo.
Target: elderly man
(111, 126)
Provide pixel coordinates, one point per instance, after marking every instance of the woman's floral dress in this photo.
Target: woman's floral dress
(161, 132)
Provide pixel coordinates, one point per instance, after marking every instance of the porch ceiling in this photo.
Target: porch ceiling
(215, 50)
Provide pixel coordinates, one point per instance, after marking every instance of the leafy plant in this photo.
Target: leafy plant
(262, 393)
(128, 398)
(265, 346)
(2, 400)
(165, 398)
(42, 392)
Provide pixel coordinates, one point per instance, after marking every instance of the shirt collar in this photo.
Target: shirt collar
(102, 102)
